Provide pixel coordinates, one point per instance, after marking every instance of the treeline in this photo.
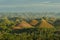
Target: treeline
(30, 34)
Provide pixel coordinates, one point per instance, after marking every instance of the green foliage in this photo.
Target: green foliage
(40, 34)
(26, 34)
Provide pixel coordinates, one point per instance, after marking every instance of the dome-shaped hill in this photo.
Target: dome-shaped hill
(22, 25)
(45, 24)
(34, 22)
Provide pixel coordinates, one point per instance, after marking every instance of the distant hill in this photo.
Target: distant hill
(31, 15)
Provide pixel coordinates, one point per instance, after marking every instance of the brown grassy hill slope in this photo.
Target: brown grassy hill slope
(23, 24)
(34, 22)
(45, 24)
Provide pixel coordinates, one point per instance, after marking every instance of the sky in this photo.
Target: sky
(29, 5)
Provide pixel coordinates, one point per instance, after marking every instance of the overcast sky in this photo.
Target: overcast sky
(29, 5)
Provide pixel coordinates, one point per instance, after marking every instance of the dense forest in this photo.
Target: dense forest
(20, 26)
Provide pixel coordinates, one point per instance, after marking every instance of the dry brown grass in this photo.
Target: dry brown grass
(23, 24)
(45, 24)
(34, 22)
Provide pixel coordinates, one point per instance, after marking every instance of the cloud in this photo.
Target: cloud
(43, 4)
(30, 6)
(46, 2)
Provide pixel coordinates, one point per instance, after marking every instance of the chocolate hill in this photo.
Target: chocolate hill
(45, 24)
(34, 22)
(22, 25)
